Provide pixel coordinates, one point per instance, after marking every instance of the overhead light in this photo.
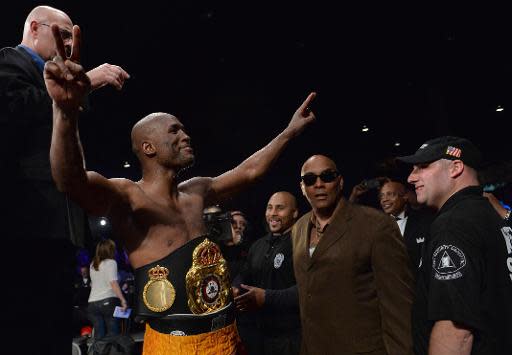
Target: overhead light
(499, 108)
(365, 128)
(126, 164)
(397, 144)
(103, 222)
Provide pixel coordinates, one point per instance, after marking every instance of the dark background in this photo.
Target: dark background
(234, 73)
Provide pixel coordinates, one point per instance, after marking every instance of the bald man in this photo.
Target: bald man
(266, 287)
(37, 218)
(351, 265)
(182, 284)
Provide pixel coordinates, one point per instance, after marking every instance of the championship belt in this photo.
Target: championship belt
(159, 293)
(207, 280)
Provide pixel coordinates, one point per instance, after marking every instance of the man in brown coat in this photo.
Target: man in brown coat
(351, 266)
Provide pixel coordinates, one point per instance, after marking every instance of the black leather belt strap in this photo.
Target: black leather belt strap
(193, 324)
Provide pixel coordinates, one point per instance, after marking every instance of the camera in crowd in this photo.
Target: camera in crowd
(218, 224)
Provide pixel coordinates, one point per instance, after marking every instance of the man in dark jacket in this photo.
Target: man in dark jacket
(462, 303)
(269, 283)
(414, 225)
(38, 219)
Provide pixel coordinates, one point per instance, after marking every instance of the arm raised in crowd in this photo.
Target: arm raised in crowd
(254, 167)
(68, 86)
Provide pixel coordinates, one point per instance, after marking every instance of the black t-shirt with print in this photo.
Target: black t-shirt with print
(466, 275)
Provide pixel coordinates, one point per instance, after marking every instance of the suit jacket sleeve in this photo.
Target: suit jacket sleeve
(394, 288)
(287, 298)
(21, 93)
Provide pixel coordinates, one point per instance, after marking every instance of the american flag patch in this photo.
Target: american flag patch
(454, 152)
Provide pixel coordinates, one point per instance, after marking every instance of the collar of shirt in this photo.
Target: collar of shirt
(36, 57)
(281, 234)
(460, 195)
(274, 237)
(315, 223)
(401, 215)
(401, 221)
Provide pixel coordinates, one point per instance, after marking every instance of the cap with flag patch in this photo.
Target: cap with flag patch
(447, 147)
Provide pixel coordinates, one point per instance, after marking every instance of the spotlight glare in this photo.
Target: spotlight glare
(103, 222)
(499, 108)
(126, 164)
(365, 128)
(397, 144)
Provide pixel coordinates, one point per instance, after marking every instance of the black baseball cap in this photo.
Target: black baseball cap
(447, 147)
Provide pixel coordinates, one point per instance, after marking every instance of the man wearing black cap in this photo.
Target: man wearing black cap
(464, 287)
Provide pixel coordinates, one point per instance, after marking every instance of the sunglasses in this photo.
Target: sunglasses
(326, 176)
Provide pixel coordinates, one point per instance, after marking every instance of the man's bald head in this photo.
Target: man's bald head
(163, 136)
(318, 159)
(281, 212)
(146, 128)
(37, 34)
(287, 197)
(41, 13)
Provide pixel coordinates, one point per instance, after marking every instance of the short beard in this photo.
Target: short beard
(185, 167)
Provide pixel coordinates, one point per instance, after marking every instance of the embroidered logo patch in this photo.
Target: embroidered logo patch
(278, 260)
(448, 262)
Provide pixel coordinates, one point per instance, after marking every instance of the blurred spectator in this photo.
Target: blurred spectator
(498, 206)
(239, 225)
(414, 224)
(105, 291)
(82, 289)
(234, 250)
(365, 192)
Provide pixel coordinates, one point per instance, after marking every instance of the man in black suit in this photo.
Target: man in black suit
(38, 221)
(414, 224)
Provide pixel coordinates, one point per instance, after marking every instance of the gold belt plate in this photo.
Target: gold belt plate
(159, 293)
(207, 280)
